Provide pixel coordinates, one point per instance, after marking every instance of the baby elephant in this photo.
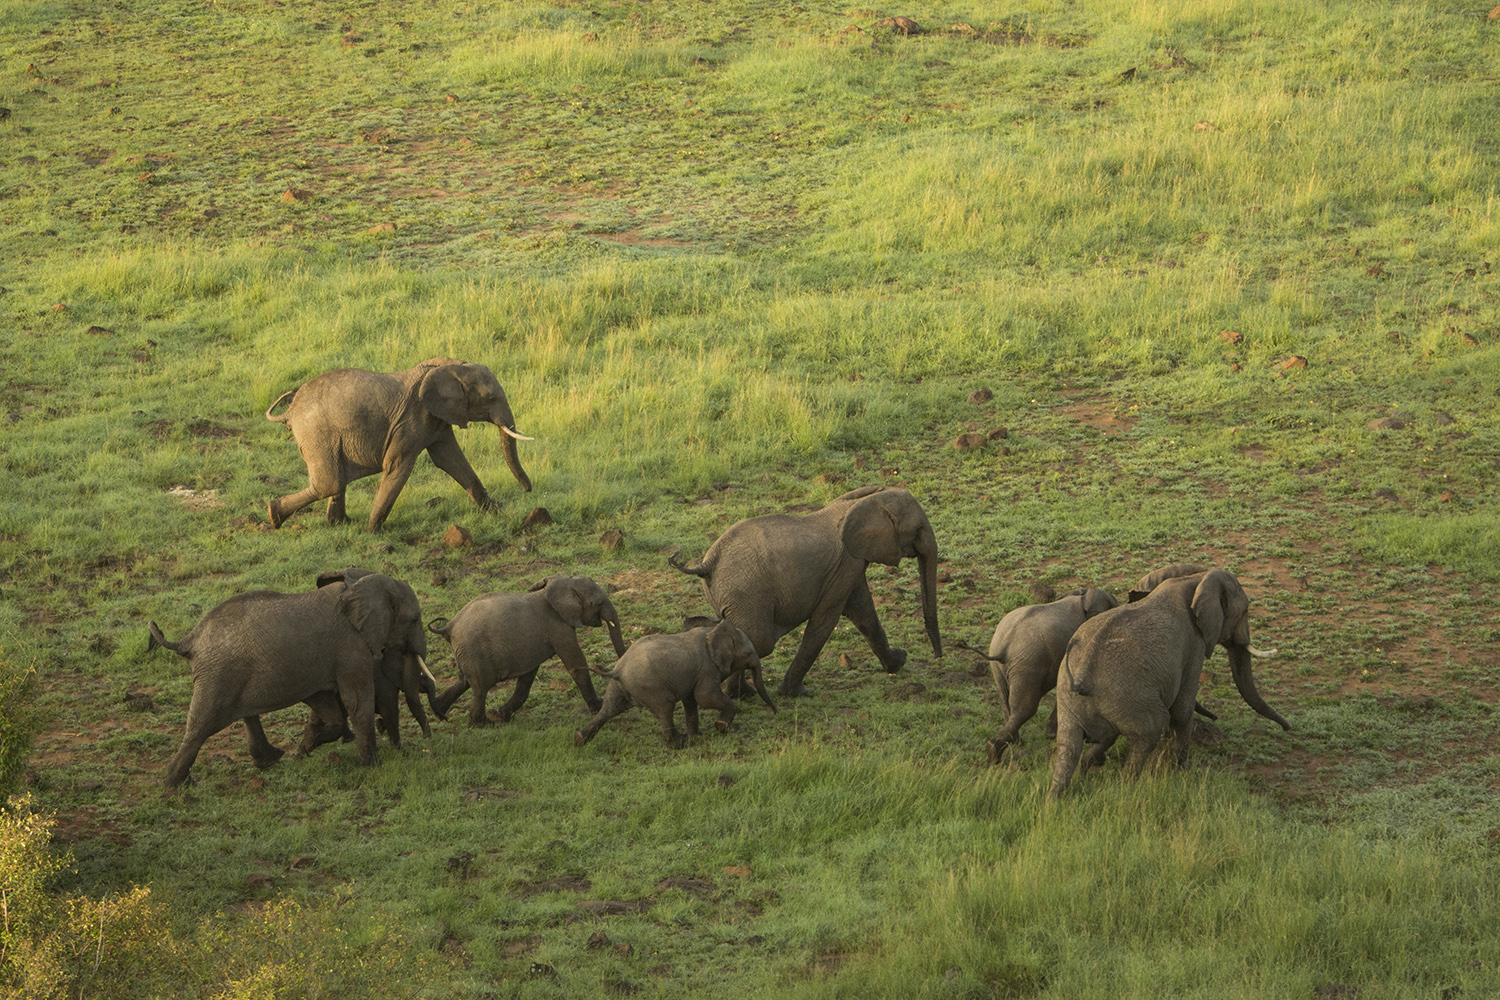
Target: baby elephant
(501, 637)
(1024, 654)
(658, 671)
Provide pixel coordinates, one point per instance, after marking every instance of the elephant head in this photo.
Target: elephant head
(1094, 600)
(732, 653)
(387, 615)
(458, 393)
(1154, 579)
(887, 525)
(581, 602)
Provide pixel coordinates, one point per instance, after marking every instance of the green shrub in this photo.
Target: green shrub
(17, 722)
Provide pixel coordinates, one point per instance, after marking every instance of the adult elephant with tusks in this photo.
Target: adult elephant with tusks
(351, 423)
(1134, 670)
(772, 573)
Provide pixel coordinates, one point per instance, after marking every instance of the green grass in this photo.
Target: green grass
(726, 260)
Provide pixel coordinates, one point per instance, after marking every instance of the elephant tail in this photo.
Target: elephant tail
(157, 639)
(285, 397)
(440, 626)
(960, 644)
(675, 561)
(1081, 683)
(608, 674)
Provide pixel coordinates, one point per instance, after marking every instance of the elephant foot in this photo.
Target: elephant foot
(799, 691)
(481, 722)
(676, 741)
(579, 739)
(266, 757)
(721, 725)
(273, 513)
(993, 749)
(895, 661)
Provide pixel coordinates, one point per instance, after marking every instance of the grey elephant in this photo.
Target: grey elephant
(501, 637)
(351, 423)
(772, 573)
(1134, 671)
(658, 671)
(1025, 651)
(261, 651)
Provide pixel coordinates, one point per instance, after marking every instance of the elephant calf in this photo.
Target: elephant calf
(658, 671)
(1025, 652)
(500, 637)
(1134, 670)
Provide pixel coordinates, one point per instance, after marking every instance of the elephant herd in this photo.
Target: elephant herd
(350, 647)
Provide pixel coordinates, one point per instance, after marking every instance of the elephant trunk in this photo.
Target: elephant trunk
(1239, 665)
(760, 684)
(612, 622)
(508, 437)
(927, 560)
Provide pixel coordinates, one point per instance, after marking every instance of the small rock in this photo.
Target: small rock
(537, 517)
(457, 537)
(1234, 367)
(301, 862)
(831, 477)
(1386, 424)
(623, 950)
(542, 971)
(459, 861)
(737, 871)
(906, 692)
(1441, 419)
(97, 331)
(905, 25)
(1375, 271)
(1203, 126)
(725, 781)
(1447, 496)
(139, 701)
(998, 434)
(1042, 594)
(845, 661)
(1495, 14)
(58, 307)
(1206, 734)
(1295, 361)
(382, 227)
(979, 396)
(1470, 340)
(944, 577)
(1385, 494)
(257, 783)
(295, 194)
(612, 539)
(597, 940)
(969, 442)
(1231, 336)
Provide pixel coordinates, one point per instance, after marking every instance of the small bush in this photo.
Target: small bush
(17, 722)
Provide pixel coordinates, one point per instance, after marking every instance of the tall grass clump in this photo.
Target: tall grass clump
(18, 719)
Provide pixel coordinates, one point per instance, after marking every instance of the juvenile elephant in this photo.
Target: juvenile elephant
(658, 671)
(351, 423)
(500, 637)
(1025, 652)
(771, 574)
(263, 650)
(1134, 671)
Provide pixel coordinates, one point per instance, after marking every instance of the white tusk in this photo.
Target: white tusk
(423, 664)
(1262, 654)
(518, 437)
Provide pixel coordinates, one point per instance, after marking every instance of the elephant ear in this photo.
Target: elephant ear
(346, 575)
(368, 604)
(540, 584)
(565, 599)
(1157, 577)
(445, 396)
(721, 643)
(1220, 609)
(871, 531)
(1096, 601)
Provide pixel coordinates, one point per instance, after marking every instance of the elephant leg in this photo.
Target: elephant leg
(444, 701)
(517, 697)
(690, 715)
(201, 724)
(1097, 752)
(669, 734)
(565, 643)
(278, 510)
(1065, 758)
(326, 723)
(710, 695)
(615, 702)
(387, 708)
(394, 476)
(860, 609)
(477, 715)
(262, 751)
(359, 702)
(1023, 705)
(448, 456)
(335, 513)
(1182, 727)
(814, 635)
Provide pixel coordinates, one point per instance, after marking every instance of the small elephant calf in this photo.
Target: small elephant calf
(500, 637)
(658, 671)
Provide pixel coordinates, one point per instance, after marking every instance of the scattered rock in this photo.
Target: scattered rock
(1234, 367)
(1385, 494)
(1470, 340)
(457, 537)
(1293, 362)
(597, 940)
(979, 396)
(612, 539)
(1206, 734)
(905, 25)
(1447, 496)
(831, 477)
(1386, 424)
(1203, 126)
(1375, 271)
(1495, 14)
(696, 887)
(98, 331)
(301, 862)
(460, 861)
(969, 442)
(1042, 594)
(911, 691)
(540, 971)
(845, 661)
(944, 576)
(259, 881)
(998, 434)
(295, 194)
(1231, 336)
(737, 871)
(58, 307)
(538, 516)
(1442, 419)
(382, 227)
(725, 781)
(623, 950)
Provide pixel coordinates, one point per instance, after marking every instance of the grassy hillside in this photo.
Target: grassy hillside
(1225, 267)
